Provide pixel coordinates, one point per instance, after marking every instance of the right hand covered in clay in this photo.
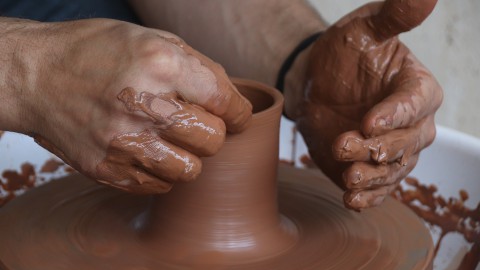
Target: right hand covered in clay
(129, 106)
(369, 97)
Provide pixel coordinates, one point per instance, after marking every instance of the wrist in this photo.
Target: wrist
(291, 80)
(278, 35)
(295, 83)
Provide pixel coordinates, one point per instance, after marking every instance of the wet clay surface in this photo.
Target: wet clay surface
(89, 226)
(232, 217)
(450, 215)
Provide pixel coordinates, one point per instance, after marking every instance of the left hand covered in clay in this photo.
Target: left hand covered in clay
(371, 99)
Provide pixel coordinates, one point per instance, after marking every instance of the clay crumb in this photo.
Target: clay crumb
(51, 166)
(449, 215)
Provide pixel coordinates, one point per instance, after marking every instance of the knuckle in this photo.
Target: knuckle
(162, 60)
(429, 132)
(221, 101)
(437, 94)
(430, 139)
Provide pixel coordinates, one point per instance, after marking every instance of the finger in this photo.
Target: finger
(144, 153)
(415, 96)
(398, 16)
(364, 175)
(133, 179)
(162, 158)
(397, 145)
(361, 12)
(205, 83)
(361, 199)
(186, 125)
(195, 130)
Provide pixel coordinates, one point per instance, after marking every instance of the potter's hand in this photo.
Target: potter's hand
(129, 106)
(369, 97)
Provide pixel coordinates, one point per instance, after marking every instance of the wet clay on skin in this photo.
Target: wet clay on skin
(234, 111)
(228, 218)
(339, 96)
(166, 147)
(182, 132)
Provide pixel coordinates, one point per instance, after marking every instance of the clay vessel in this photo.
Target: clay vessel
(231, 209)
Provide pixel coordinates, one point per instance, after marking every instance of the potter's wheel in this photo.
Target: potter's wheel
(329, 236)
(229, 218)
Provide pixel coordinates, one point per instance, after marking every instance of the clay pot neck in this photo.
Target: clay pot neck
(232, 207)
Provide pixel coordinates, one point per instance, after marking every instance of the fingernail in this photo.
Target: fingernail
(193, 168)
(380, 122)
(354, 201)
(354, 178)
(383, 123)
(348, 150)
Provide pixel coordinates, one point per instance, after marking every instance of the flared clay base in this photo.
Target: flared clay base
(74, 223)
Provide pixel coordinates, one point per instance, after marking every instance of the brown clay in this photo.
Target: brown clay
(450, 215)
(17, 180)
(179, 129)
(52, 165)
(229, 218)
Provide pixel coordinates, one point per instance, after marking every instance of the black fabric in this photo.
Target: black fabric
(63, 10)
(291, 59)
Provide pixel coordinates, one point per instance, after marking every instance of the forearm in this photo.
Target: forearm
(16, 75)
(250, 38)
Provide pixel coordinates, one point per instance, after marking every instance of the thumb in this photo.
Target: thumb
(397, 16)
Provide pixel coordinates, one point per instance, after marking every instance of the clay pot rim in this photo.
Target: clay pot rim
(275, 94)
